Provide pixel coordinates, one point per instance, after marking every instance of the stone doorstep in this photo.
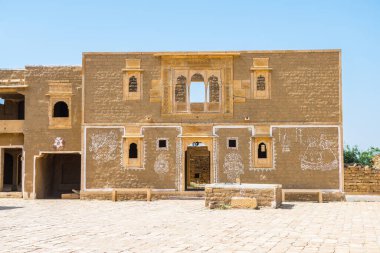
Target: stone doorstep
(243, 202)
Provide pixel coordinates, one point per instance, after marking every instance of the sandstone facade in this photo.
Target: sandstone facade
(262, 117)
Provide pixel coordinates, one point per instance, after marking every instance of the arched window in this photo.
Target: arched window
(197, 89)
(262, 151)
(61, 110)
(213, 89)
(180, 89)
(132, 85)
(260, 83)
(133, 150)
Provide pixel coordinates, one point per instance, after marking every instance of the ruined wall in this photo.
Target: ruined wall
(361, 179)
(38, 136)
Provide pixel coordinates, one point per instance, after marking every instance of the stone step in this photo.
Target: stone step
(11, 195)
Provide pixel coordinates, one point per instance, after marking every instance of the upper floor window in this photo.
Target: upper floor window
(260, 82)
(262, 151)
(132, 85)
(61, 110)
(180, 89)
(213, 89)
(197, 89)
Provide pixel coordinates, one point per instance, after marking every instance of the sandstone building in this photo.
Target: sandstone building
(172, 121)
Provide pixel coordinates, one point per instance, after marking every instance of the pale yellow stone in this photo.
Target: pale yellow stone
(243, 202)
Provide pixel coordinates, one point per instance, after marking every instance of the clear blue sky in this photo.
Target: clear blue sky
(57, 32)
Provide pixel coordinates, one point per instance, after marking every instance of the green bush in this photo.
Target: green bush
(354, 155)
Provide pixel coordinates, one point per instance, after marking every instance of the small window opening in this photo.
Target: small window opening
(262, 151)
(133, 150)
(197, 175)
(232, 143)
(162, 143)
(132, 87)
(61, 110)
(260, 82)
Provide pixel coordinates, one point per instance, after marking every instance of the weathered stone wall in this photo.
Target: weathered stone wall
(105, 167)
(376, 162)
(304, 158)
(6, 74)
(38, 136)
(264, 197)
(295, 75)
(361, 179)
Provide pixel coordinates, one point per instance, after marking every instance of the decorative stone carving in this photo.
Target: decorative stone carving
(132, 86)
(260, 83)
(197, 78)
(180, 89)
(214, 88)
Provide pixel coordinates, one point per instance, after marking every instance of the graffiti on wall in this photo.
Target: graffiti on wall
(233, 166)
(104, 146)
(319, 155)
(161, 165)
(317, 151)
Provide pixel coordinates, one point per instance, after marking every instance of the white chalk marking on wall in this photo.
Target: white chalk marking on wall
(284, 141)
(161, 165)
(103, 146)
(299, 135)
(319, 155)
(233, 166)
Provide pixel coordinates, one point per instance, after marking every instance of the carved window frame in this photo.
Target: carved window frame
(260, 68)
(60, 91)
(208, 106)
(262, 162)
(132, 69)
(133, 162)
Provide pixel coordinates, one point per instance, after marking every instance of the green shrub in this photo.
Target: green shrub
(354, 155)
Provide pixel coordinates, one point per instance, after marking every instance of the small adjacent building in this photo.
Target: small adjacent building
(173, 121)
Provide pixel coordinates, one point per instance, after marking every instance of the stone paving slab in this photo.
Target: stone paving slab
(186, 226)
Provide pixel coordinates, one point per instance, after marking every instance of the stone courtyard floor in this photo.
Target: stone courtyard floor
(185, 226)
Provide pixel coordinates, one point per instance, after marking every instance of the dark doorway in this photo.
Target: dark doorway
(58, 174)
(8, 169)
(12, 169)
(197, 166)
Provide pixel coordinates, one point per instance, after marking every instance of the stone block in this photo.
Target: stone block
(70, 196)
(243, 202)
